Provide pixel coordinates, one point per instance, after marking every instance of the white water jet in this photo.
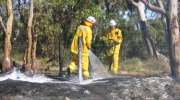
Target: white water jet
(15, 74)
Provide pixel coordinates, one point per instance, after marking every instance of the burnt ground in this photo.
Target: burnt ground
(118, 88)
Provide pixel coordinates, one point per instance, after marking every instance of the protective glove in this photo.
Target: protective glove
(116, 42)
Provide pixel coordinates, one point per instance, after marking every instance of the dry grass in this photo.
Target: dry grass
(150, 66)
(133, 66)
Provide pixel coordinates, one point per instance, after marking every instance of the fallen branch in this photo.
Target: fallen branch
(162, 57)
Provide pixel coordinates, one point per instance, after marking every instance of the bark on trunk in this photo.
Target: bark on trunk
(25, 55)
(107, 4)
(34, 66)
(29, 47)
(145, 31)
(148, 40)
(174, 38)
(61, 57)
(7, 61)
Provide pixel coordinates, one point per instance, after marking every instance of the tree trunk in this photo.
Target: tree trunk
(29, 42)
(107, 4)
(61, 56)
(163, 19)
(145, 31)
(34, 66)
(173, 34)
(7, 62)
(174, 38)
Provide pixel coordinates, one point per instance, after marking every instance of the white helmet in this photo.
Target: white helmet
(91, 19)
(112, 23)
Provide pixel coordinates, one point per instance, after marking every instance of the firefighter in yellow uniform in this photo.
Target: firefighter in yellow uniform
(86, 34)
(114, 37)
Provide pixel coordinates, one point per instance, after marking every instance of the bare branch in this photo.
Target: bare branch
(154, 8)
(2, 24)
(160, 3)
(133, 2)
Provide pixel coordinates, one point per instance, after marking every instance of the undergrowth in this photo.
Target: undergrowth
(151, 66)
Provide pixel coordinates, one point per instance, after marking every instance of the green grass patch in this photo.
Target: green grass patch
(18, 56)
(133, 64)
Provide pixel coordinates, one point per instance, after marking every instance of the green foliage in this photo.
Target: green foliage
(59, 22)
(1, 38)
(2, 2)
(55, 21)
(157, 31)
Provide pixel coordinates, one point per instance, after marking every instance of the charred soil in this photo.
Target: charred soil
(117, 88)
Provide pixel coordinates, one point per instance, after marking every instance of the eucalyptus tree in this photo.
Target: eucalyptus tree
(144, 28)
(28, 52)
(7, 64)
(173, 33)
(35, 33)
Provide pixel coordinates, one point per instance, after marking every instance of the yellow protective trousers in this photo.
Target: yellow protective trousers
(114, 65)
(85, 63)
(114, 58)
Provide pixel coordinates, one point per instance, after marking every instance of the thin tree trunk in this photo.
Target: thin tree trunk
(29, 47)
(107, 4)
(61, 55)
(147, 39)
(34, 66)
(144, 29)
(25, 55)
(51, 45)
(7, 61)
(174, 38)
(163, 19)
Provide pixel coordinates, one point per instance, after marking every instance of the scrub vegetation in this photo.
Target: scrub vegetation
(136, 66)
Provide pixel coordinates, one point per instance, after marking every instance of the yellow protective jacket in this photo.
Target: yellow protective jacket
(115, 35)
(86, 33)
